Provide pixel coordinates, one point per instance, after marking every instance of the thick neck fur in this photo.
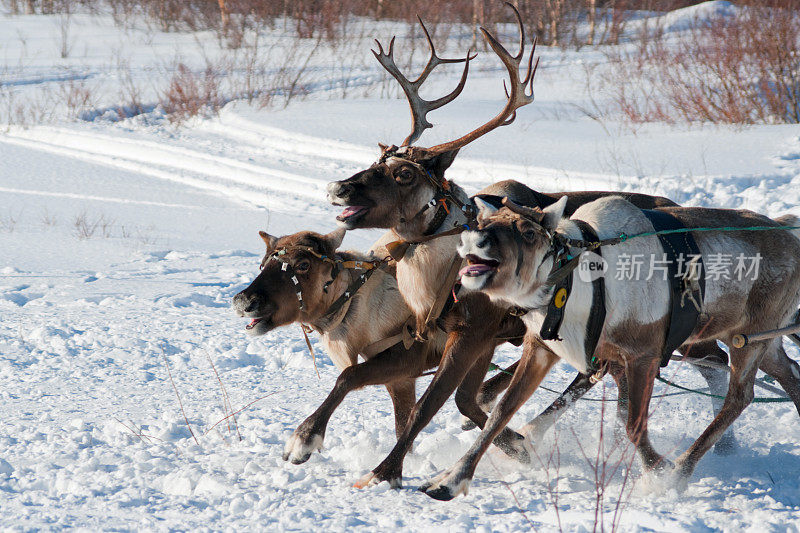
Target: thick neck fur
(421, 273)
(414, 227)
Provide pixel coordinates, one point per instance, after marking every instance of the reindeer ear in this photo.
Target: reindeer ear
(268, 239)
(439, 163)
(485, 209)
(383, 147)
(554, 213)
(334, 238)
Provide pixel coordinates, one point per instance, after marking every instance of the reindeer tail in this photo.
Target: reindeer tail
(790, 220)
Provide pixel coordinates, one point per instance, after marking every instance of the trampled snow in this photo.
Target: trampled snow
(123, 242)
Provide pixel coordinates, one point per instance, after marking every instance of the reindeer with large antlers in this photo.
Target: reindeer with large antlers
(406, 190)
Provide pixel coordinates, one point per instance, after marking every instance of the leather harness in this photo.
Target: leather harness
(687, 288)
(561, 292)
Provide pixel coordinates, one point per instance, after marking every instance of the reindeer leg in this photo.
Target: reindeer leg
(717, 380)
(641, 372)
(490, 390)
(511, 442)
(385, 367)
(778, 365)
(536, 362)
(402, 392)
(744, 365)
(463, 342)
(538, 426)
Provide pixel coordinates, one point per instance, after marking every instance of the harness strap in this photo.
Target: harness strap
(441, 299)
(685, 291)
(397, 249)
(555, 309)
(337, 265)
(406, 336)
(349, 292)
(597, 313)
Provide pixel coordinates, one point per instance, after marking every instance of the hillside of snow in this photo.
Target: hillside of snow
(124, 239)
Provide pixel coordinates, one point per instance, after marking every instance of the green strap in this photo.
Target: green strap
(755, 400)
(623, 237)
(686, 390)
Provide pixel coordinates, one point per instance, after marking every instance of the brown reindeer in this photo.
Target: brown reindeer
(374, 312)
(514, 256)
(406, 190)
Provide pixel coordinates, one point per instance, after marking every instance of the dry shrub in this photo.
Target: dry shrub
(190, 94)
(85, 227)
(739, 68)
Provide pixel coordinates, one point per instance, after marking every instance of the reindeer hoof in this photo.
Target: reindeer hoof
(366, 481)
(442, 494)
(373, 478)
(515, 446)
(467, 424)
(298, 449)
(446, 486)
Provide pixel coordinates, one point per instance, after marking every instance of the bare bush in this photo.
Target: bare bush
(85, 227)
(739, 68)
(191, 94)
(8, 223)
(48, 219)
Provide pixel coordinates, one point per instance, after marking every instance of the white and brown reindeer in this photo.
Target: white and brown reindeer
(513, 256)
(406, 190)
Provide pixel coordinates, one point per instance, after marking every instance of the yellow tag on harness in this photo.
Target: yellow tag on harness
(561, 298)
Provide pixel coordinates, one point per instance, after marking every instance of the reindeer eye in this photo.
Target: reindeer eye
(404, 175)
(528, 233)
(303, 265)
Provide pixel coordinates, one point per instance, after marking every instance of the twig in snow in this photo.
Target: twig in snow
(239, 411)
(169, 372)
(226, 402)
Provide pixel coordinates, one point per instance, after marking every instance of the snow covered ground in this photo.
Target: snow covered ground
(123, 242)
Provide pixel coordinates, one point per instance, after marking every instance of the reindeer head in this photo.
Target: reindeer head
(406, 180)
(393, 190)
(510, 254)
(272, 299)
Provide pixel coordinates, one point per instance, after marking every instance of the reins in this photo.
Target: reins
(686, 390)
(559, 243)
(624, 237)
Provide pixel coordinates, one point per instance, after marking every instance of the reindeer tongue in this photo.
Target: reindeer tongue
(474, 270)
(253, 323)
(350, 211)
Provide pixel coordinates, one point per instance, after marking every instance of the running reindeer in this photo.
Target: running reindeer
(521, 255)
(351, 299)
(406, 190)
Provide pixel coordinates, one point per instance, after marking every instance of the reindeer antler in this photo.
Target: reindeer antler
(521, 91)
(419, 106)
(533, 214)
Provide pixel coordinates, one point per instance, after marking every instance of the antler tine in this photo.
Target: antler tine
(521, 91)
(419, 106)
(528, 212)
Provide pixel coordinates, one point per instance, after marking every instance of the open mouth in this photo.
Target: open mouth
(478, 266)
(253, 323)
(352, 213)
